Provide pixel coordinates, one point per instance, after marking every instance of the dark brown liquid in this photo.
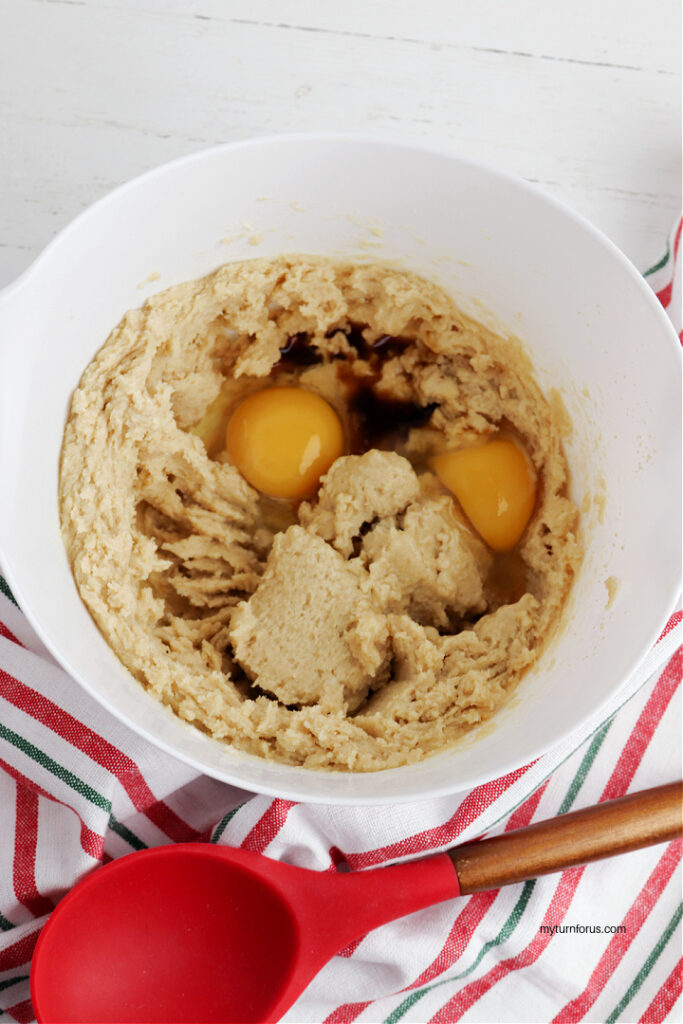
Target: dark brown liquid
(299, 351)
(296, 353)
(377, 420)
(507, 579)
(385, 347)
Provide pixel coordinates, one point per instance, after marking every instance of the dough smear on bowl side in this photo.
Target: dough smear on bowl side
(369, 624)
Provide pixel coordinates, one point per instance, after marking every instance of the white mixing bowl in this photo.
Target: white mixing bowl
(506, 251)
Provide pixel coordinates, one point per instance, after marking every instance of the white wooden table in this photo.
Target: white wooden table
(582, 97)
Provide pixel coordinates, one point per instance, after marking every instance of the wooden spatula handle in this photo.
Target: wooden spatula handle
(616, 826)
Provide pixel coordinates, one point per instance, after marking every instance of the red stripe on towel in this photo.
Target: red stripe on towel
(25, 846)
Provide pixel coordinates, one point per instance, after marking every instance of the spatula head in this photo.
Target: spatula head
(169, 934)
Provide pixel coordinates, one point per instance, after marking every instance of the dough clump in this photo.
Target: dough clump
(308, 590)
(367, 627)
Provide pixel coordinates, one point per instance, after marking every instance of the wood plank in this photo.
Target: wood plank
(92, 93)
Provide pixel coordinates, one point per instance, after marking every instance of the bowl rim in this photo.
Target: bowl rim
(230, 776)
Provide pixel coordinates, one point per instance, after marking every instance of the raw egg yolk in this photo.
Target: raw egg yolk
(283, 439)
(495, 484)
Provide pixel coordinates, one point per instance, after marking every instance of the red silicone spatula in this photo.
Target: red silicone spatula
(197, 932)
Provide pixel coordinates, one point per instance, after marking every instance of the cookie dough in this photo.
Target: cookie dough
(367, 627)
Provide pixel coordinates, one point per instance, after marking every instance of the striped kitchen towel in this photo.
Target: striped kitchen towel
(600, 943)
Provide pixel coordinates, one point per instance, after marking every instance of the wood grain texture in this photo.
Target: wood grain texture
(604, 830)
(583, 99)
